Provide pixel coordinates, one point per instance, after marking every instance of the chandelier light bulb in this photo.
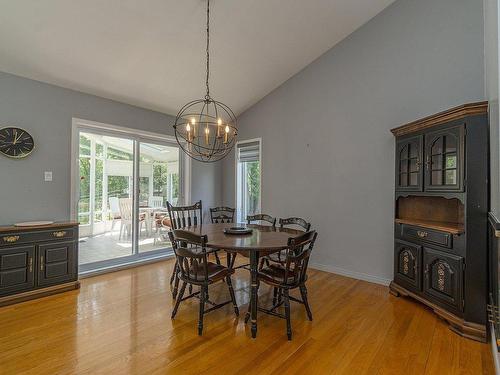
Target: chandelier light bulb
(226, 133)
(219, 123)
(188, 128)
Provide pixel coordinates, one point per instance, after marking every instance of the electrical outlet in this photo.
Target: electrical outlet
(48, 175)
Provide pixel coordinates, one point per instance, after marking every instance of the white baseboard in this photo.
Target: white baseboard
(353, 274)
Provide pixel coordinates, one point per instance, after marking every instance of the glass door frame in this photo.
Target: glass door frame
(237, 176)
(138, 137)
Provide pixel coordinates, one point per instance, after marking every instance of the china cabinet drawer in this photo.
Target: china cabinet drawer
(427, 235)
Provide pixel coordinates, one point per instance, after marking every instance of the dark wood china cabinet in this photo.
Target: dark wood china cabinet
(441, 212)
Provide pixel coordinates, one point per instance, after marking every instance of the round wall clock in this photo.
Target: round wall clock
(16, 142)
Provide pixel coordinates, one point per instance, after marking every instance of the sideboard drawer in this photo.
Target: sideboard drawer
(15, 238)
(427, 235)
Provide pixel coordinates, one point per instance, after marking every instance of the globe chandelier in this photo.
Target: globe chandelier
(205, 129)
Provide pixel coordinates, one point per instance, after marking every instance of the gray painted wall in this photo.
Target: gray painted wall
(46, 112)
(328, 154)
(491, 76)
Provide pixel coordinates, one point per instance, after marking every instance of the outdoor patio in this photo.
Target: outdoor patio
(108, 245)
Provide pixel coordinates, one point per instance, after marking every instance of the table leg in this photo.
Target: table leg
(254, 261)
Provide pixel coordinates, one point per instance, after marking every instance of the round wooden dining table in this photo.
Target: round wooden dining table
(262, 241)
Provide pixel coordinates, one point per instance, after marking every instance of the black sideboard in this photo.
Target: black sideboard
(37, 261)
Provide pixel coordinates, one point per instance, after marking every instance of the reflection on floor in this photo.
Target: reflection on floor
(109, 245)
(119, 323)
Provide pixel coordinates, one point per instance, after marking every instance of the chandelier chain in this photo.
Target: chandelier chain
(205, 129)
(208, 51)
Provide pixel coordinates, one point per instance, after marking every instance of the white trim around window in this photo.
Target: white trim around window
(236, 171)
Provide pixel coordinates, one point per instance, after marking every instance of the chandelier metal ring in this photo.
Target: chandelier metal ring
(191, 126)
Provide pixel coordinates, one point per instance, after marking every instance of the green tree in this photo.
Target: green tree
(253, 181)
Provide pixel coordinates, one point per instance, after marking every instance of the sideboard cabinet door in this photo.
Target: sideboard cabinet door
(444, 153)
(408, 164)
(56, 263)
(16, 269)
(443, 277)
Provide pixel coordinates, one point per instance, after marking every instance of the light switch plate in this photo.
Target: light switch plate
(48, 175)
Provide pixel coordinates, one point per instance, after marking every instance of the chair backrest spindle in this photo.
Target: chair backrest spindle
(185, 216)
(222, 215)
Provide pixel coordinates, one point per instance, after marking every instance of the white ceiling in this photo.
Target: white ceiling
(151, 53)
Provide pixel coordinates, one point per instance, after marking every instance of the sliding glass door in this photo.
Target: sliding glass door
(124, 182)
(105, 198)
(158, 183)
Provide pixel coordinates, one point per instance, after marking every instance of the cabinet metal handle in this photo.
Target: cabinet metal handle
(31, 264)
(422, 234)
(41, 263)
(11, 239)
(59, 234)
(428, 162)
(418, 165)
(426, 271)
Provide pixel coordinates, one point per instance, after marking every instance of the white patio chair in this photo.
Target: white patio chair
(158, 215)
(156, 202)
(114, 208)
(126, 208)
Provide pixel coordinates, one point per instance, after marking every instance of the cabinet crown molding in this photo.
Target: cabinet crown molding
(456, 113)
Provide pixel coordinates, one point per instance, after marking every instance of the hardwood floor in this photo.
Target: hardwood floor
(120, 323)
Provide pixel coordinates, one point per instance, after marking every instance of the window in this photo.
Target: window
(248, 178)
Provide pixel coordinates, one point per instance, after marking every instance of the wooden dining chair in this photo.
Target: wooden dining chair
(290, 276)
(292, 223)
(225, 215)
(260, 218)
(222, 215)
(182, 217)
(185, 216)
(195, 269)
(295, 222)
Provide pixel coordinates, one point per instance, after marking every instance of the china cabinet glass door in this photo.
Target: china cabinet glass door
(444, 160)
(408, 164)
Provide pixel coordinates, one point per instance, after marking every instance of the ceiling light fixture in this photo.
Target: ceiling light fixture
(205, 129)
